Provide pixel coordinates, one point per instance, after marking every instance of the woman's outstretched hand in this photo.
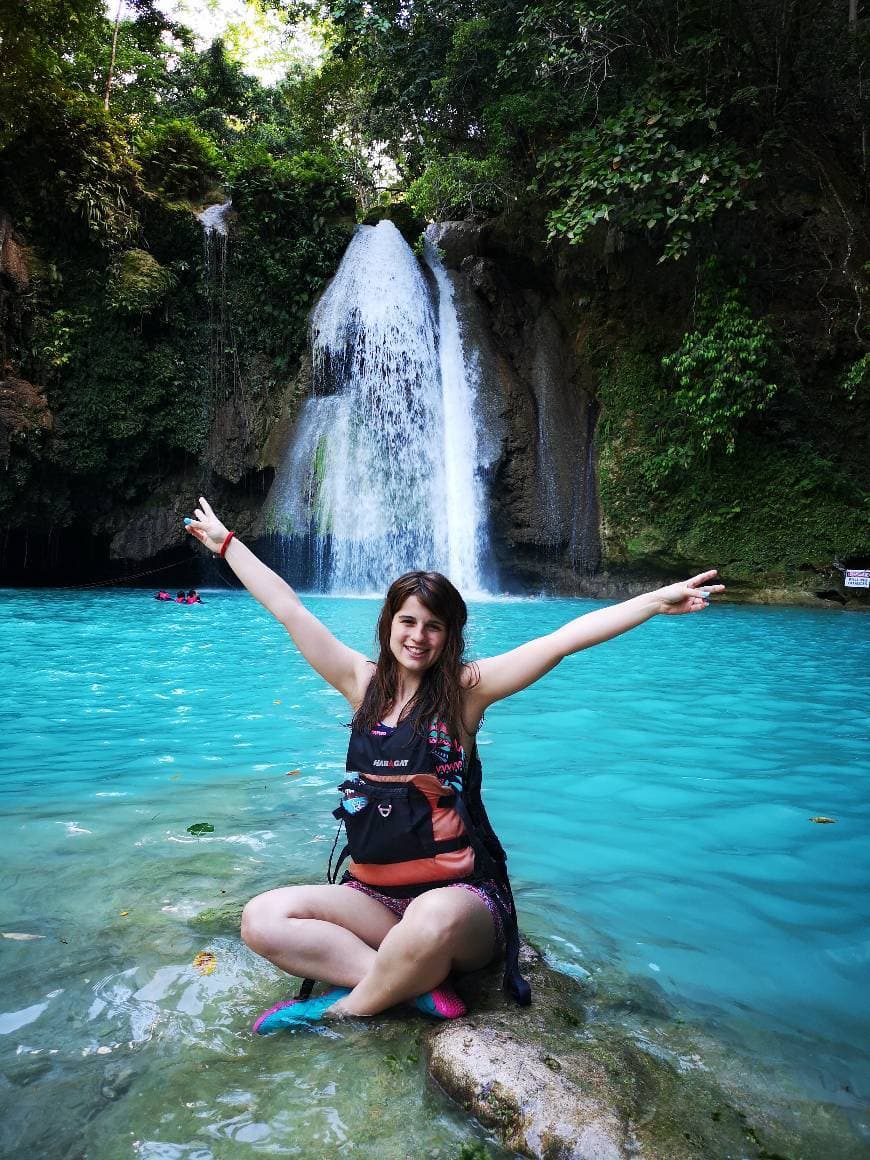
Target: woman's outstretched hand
(207, 527)
(690, 595)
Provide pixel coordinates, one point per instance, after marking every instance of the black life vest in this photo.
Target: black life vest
(415, 820)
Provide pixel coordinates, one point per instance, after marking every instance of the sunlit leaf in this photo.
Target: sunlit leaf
(205, 962)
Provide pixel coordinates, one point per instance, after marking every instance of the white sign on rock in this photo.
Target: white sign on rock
(857, 578)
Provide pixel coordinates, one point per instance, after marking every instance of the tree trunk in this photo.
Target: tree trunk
(115, 49)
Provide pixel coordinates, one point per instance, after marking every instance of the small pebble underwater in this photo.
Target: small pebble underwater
(655, 795)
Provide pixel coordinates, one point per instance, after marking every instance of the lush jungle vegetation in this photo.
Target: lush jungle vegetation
(715, 153)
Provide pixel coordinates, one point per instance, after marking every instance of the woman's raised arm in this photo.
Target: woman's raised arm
(504, 675)
(342, 667)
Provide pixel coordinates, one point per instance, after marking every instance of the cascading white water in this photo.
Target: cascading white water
(381, 473)
(214, 218)
(214, 242)
(463, 497)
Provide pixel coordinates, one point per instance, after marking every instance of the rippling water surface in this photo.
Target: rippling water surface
(654, 795)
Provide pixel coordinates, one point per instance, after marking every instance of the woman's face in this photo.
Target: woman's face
(417, 636)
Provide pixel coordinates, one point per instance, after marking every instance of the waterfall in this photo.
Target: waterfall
(382, 473)
(214, 242)
(464, 499)
(214, 219)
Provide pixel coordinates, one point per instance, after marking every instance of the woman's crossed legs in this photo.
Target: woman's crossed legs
(343, 936)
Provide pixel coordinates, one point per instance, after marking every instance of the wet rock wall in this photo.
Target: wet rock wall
(537, 414)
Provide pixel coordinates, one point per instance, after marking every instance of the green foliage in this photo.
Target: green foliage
(762, 508)
(138, 283)
(642, 433)
(116, 397)
(560, 40)
(856, 381)
(71, 172)
(115, 325)
(179, 160)
(55, 338)
(289, 240)
(210, 80)
(721, 371)
(124, 386)
(658, 164)
(722, 367)
(288, 191)
(40, 43)
(459, 186)
(146, 67)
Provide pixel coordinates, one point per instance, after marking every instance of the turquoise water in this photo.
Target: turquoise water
(654, 795)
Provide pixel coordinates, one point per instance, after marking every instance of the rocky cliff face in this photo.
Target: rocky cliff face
(568, 349)
(592, 491)
(537, 413)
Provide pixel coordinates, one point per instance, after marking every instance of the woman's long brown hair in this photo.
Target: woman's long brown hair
(439, 695)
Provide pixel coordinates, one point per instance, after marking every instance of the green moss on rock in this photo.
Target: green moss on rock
(769, 514)
(137, 283)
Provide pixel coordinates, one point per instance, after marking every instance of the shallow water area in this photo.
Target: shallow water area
(654, 794)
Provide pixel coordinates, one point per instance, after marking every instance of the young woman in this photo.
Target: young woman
(426, 893)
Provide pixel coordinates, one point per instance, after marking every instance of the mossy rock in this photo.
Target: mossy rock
(224, 919)
(137, 283)
(554, 1080)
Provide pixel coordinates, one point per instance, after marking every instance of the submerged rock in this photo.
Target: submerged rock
(523, 1094)
(555, 1082)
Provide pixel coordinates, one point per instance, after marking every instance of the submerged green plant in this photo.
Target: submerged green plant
(473, 1150)
(199, 828)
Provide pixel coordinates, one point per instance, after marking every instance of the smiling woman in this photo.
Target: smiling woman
(416, 638)
(426, 893)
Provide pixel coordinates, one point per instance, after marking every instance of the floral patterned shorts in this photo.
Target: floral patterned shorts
(487, 892)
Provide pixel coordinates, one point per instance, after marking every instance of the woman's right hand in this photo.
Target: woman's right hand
(207, 528)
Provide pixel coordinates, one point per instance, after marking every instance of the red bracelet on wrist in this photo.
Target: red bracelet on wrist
(226, 544)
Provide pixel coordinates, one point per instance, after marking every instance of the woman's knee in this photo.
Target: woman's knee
(438, 917)
(450, 922)
(266, 916)
(254, 923)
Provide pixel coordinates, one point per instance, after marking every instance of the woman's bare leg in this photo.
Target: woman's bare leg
(329, 933)
(442, 930)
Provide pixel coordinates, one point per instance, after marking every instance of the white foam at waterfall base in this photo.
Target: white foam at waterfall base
(380, 473)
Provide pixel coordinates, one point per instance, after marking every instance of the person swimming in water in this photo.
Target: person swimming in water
(426, 894)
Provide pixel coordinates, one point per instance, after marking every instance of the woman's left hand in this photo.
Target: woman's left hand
(689, 596)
